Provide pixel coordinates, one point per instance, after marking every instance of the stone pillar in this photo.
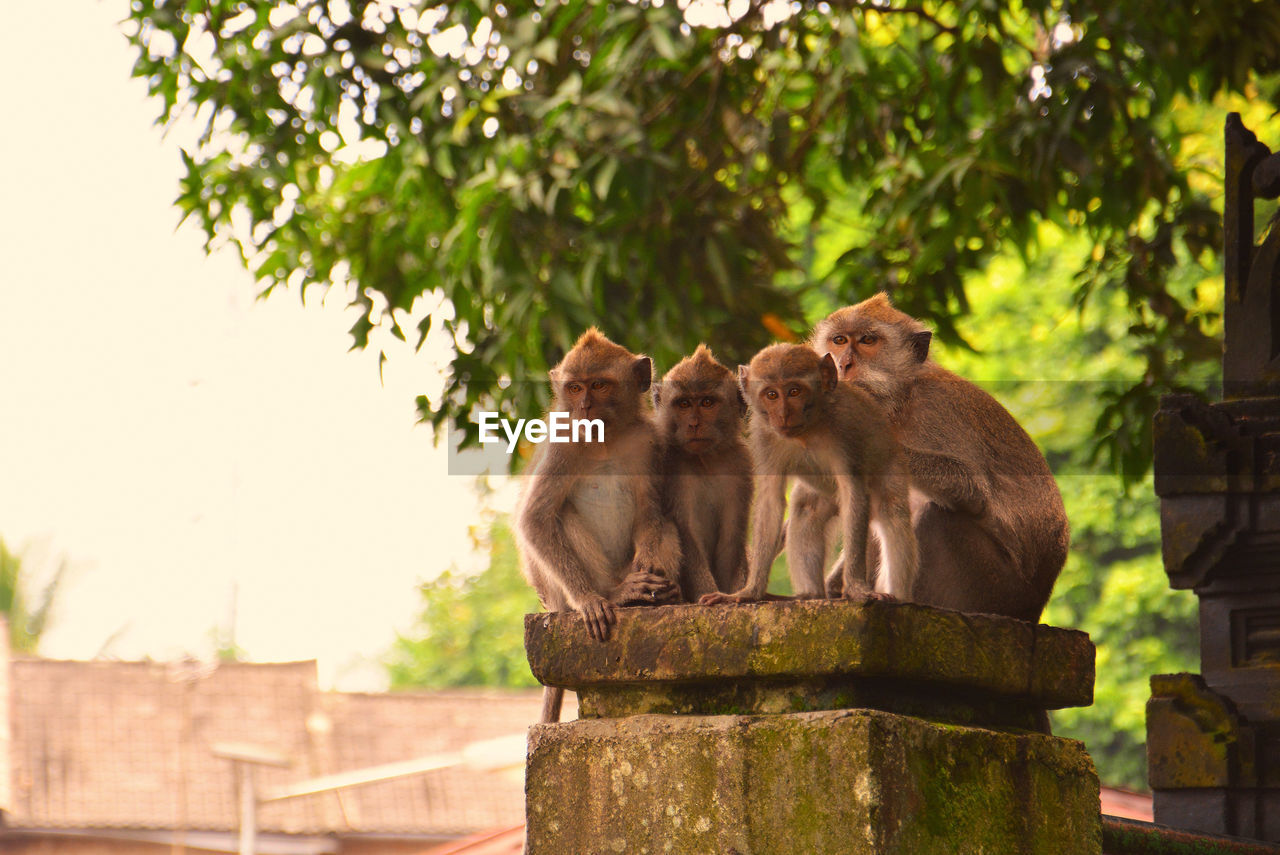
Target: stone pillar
(1213, 739)
(810, 726)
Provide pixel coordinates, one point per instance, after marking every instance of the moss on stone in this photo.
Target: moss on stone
(858, 782)
(665, 648)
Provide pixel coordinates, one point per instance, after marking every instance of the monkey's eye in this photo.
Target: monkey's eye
(772, 394)
(708, 402)
(840, 339)
(597, 385)
(869, 339)
(793, 391)
(573, 388)
(684, 403)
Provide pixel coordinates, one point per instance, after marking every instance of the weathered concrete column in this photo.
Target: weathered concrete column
(823, 727)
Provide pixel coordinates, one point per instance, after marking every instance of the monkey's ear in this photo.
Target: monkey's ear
(642, 371)
(744, 379)
(554, 374)
(830, 374)
(656, 392)
(920, 344)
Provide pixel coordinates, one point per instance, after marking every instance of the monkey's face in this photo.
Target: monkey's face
(877, 352)
(856, 344)
(699, 406)
(788, 384)
(786, 403)
(607, 386)
(697, 422)
(598, 397)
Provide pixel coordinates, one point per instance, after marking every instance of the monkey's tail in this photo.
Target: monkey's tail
(552, 700)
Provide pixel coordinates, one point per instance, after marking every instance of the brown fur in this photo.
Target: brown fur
(835, 439)
(589, 523)
(706, 472)
(987, 513)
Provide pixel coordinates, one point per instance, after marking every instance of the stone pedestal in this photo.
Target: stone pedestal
(815, 726)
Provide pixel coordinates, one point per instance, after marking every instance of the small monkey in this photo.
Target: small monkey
(836, 439)
(589, 524)
(706, 472)
(987, 513)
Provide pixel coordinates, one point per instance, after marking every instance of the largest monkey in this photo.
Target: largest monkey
(987, 513)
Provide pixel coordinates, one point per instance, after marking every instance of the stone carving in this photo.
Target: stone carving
(1213, 740)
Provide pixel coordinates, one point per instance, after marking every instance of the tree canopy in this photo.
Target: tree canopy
(703, 170)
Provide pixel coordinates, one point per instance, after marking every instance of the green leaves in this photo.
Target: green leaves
(1056, 365)
(471, 629)
(27, 610)
(674, 182)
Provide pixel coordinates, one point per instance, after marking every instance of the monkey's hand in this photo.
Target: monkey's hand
(743, 595)
(599, 616)
(867, 595)
(641, 587)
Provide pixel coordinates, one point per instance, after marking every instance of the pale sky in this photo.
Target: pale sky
(170, 435)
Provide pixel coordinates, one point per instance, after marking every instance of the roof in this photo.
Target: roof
(1126, 804)
(127, 745)
(508, 841)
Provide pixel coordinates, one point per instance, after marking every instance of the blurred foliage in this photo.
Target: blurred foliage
(1113, 585)
(672, 172)
(471, 628)
(27, 611)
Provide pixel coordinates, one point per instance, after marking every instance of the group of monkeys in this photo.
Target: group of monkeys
(941, 497)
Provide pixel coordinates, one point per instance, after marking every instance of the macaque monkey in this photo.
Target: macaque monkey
(835, 439)
(589, 524)
(987, 514)
(706, 472)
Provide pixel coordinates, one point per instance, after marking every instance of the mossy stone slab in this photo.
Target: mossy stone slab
(861, 782)
(815, 654)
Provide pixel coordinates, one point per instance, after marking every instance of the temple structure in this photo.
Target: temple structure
(1213, 739)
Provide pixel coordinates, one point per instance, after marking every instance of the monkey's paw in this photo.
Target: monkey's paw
(643, 588)
(599, 615)
(718, 598)
(868, 596)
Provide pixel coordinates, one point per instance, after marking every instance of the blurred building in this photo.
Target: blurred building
(118, 758)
